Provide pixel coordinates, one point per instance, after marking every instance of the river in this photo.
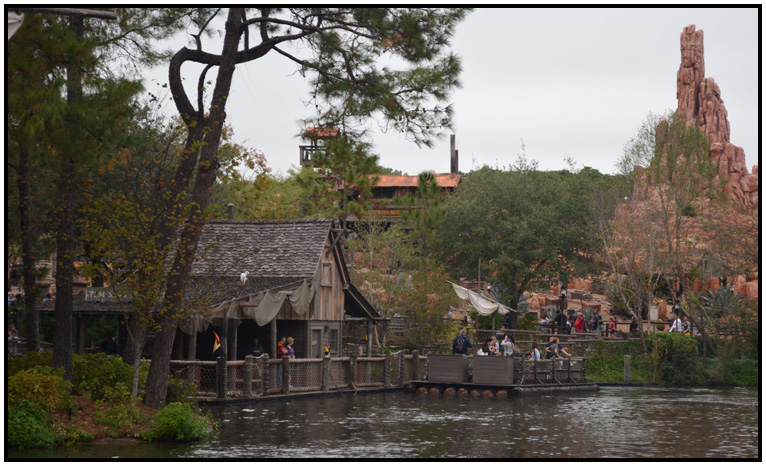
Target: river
(615, 422)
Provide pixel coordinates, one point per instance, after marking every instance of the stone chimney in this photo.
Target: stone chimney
(452, 155)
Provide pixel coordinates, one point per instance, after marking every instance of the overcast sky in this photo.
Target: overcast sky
(567, 82)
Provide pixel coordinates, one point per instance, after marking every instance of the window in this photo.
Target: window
(332, 340)
(327, 274)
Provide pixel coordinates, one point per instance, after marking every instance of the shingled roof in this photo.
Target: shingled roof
(276, 255)
(287, 249)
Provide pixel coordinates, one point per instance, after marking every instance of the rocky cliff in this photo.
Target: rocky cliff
(699, 100)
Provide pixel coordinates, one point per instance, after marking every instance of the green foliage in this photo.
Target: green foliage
(424, 211)
(28, 361)
(676, 359)
(528, 321)
(181, 391)
(179, 421)
(720, 302)
(118, 416)
(99, 373)
(524, 225)
(42, 386)
(743, 372)
(29, 426)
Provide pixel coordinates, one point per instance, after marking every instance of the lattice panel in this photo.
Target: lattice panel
(305, 375)
(370, 372)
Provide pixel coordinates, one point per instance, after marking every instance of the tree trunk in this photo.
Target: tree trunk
(62, 340)
(65, 241)
(172, 308)
(28, 257)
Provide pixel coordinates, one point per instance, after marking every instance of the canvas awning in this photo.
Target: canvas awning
(262, 307)
(481, 304)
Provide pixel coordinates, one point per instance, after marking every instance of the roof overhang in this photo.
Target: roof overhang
(357, 306)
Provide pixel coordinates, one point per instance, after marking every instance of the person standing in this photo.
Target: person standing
(461, 344)
(289, 348)
(507, 346)
(676, 327)
(687, 326)
(534, 355)
(281, 350)
(579, 324)
(255, 349)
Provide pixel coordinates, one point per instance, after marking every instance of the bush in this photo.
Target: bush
(28, 426)
(40, 385)
(676, 359)
(179, 421)
(118, 416)
(528, 322)
(743, 372)
(181, 391)
(28, 361)
(98, 372)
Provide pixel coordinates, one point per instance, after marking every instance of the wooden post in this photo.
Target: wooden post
(400, 382)
(233, 333)
(220, 377)
(326, 368)
(273, 337)
(387, 371)
(352, 368)
(626, 368)
(191, 376)
(286, 374)
(247, 378)
(369, 338)
(414, 371)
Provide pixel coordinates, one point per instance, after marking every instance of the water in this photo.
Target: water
(616, 422)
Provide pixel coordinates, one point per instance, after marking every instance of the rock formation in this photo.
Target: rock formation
(699, 100)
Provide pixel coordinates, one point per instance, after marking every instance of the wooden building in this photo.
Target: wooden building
(244, 267)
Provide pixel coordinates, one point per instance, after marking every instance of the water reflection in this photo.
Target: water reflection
(612, 423)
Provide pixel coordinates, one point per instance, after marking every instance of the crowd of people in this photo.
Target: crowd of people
(505, 345)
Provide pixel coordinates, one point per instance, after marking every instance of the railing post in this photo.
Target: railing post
(247, 378)
(220, 377)
(400, 382)
(387, 371)
(414, 371)
(626, 368)
(326, 368)
(286, 374)
(352, 368)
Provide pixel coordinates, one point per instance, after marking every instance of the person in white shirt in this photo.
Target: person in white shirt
(676, 327)
(534, 355)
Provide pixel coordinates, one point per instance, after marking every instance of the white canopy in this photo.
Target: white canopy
(481, 304)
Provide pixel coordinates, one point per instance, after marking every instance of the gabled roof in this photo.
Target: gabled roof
(284, 248)
(276, 254)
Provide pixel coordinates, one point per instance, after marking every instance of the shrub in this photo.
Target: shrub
(28, 361)
(28, 426)
(528, 322)
(40, 385)
(96, 373)
(742, 371)
(181, 391)
(179, 421)
(676, 359)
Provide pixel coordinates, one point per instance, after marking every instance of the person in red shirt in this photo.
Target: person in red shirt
(579, 323)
